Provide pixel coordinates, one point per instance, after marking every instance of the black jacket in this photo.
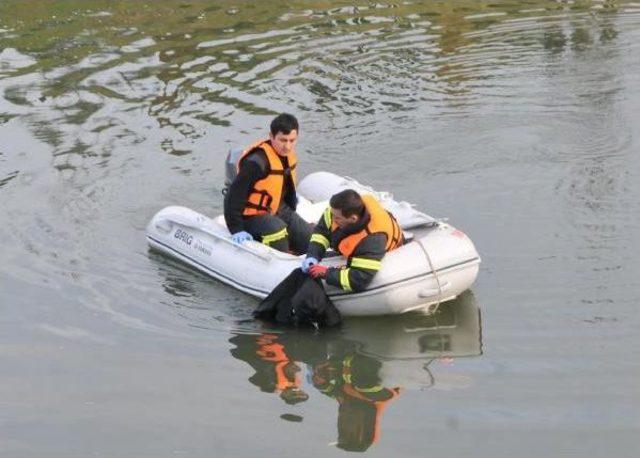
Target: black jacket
(299, 300)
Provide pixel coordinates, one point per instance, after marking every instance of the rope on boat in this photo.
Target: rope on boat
(435, 274)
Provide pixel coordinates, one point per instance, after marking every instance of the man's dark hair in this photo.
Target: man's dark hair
(284, 123)
(348, 202)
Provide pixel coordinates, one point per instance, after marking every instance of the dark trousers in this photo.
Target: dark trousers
(285, 231)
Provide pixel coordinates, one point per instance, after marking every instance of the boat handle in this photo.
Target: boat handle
(264, 257)
(424, 293)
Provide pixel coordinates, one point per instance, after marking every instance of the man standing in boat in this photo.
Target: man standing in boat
(361, 230)
(261, 202)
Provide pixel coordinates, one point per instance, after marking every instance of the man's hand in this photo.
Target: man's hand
(307, 263)
(318, 271)
(241, 237)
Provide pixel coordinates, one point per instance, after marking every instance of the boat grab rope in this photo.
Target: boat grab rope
(435, 274)
(432, 379)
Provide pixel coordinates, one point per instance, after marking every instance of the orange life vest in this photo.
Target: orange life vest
(266, 195)
(381, 222)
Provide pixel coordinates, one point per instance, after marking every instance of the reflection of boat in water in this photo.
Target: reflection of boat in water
(364, 366)
(407, 344)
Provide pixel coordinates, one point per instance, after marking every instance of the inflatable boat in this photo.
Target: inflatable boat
(437, 264)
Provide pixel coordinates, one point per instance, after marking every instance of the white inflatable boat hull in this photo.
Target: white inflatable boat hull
(436, 266)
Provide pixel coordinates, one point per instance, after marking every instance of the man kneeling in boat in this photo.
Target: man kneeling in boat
(361, 230)
(261, 201)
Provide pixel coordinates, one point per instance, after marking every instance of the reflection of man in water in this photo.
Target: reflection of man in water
(354, 382)
(338, 371)
(275, 370)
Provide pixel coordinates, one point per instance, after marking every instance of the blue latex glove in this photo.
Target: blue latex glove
(308, 262)
(241, 237)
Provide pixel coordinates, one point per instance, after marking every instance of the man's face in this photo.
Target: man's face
(284, 143)
(342, 220)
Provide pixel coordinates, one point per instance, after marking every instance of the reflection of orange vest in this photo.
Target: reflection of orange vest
(270, 350)
(381, 222)
(380, 405)
(376, 396)
(266, 194)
